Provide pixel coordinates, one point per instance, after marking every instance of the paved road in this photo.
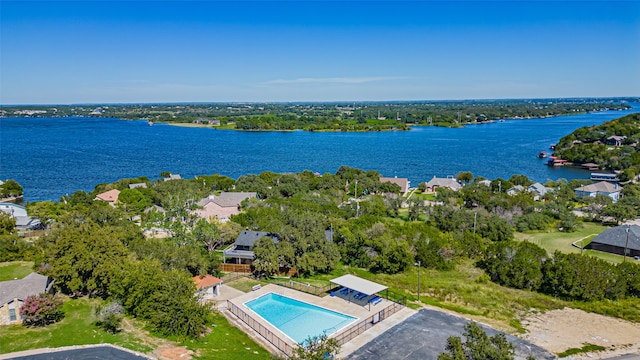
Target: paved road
(80, 353)
(424, 336)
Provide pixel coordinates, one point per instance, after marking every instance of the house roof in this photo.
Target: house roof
(402, 182)
(601, 187)
(227, 199)
(447, 182)
(32, 284)
(516, 188)
(138, 185)
(539, 189)
(359, 284)
(173, 177)
(109, 196)
(248, 238)
(206, 281)
(617, 236)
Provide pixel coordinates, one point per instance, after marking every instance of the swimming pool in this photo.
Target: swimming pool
(297, 319)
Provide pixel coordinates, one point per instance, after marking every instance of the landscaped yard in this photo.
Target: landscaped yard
(561, 241)
(15, 270)
(77, 328)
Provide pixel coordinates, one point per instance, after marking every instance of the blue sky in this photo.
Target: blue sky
(214, 51)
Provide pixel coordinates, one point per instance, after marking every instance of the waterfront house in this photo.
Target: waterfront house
(207, 286)
(172, 177)
(402, 182)
(222, 206)
(241, 251)
(110, 196)
(138, 186)
(515, 190)
(591, 166)
(14, 292)
(602, 187)
(22, 218)
(539, 190)
(615, 140)
(448, 182)
(614, 240)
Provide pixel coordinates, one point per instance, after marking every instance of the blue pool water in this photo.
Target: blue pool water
(296, 319)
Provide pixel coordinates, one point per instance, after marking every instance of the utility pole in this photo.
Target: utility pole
(627, 244)
(475, 215)
(418, 263)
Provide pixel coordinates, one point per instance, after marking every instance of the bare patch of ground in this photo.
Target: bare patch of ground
(164, 349)
(559, 330)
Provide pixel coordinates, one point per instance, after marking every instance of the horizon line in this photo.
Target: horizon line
(324, 101)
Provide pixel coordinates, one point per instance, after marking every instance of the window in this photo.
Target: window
(12, 315)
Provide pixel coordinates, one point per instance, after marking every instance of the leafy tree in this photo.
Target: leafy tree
(464, 176)
(518, 179)
(317, 348)
(84, 257)
(41, 310)
(13, 247)
(266, 260)
(7, 223)
(515, 264)
(109, 317)
(478, 346)
(11, 188)
(631, 273)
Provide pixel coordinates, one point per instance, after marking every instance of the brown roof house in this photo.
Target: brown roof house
(222, 206)
(110, 196)
(402, 182)
(208, 286)
(14, 292)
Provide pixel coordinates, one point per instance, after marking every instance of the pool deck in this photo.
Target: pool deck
(338, 303)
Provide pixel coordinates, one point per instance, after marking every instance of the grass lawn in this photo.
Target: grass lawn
(226, 342)
(77, 328)
(468, 291)
(561, 241)
(15, 269)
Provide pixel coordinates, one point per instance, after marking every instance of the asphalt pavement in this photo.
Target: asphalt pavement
(424, 336)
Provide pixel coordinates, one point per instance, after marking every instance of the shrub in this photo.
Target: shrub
(41, 310)
(109, 317)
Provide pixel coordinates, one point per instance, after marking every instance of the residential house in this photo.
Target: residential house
(222, 206)
(448, 182)
(14, 292)
(19, 213)
(614, 240)
(615, 140)
(241, 251)
(110, 196)
(515, 190)
(207, 286)
(172, 177)
(138, 186)
(402, 182)
(539, 190)
(611, 190)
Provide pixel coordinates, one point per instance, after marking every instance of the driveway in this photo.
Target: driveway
(424, 336)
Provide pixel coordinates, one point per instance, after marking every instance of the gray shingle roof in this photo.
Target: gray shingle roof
(32, 284)
(601, 187)
(248, 238)
(617, 236)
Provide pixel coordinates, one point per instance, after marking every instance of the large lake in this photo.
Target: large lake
(51, 157)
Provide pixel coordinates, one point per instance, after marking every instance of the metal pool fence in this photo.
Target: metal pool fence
(342, 338)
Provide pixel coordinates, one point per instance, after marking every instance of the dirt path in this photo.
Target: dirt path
(559, 330)
(164, 349)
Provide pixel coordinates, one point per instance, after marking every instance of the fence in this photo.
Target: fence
(260, 329)
(308, 288)
(367, 323)
(240, 268)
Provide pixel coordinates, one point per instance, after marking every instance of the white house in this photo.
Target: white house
(602, 187)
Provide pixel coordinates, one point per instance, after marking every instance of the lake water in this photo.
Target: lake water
(52, 157)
